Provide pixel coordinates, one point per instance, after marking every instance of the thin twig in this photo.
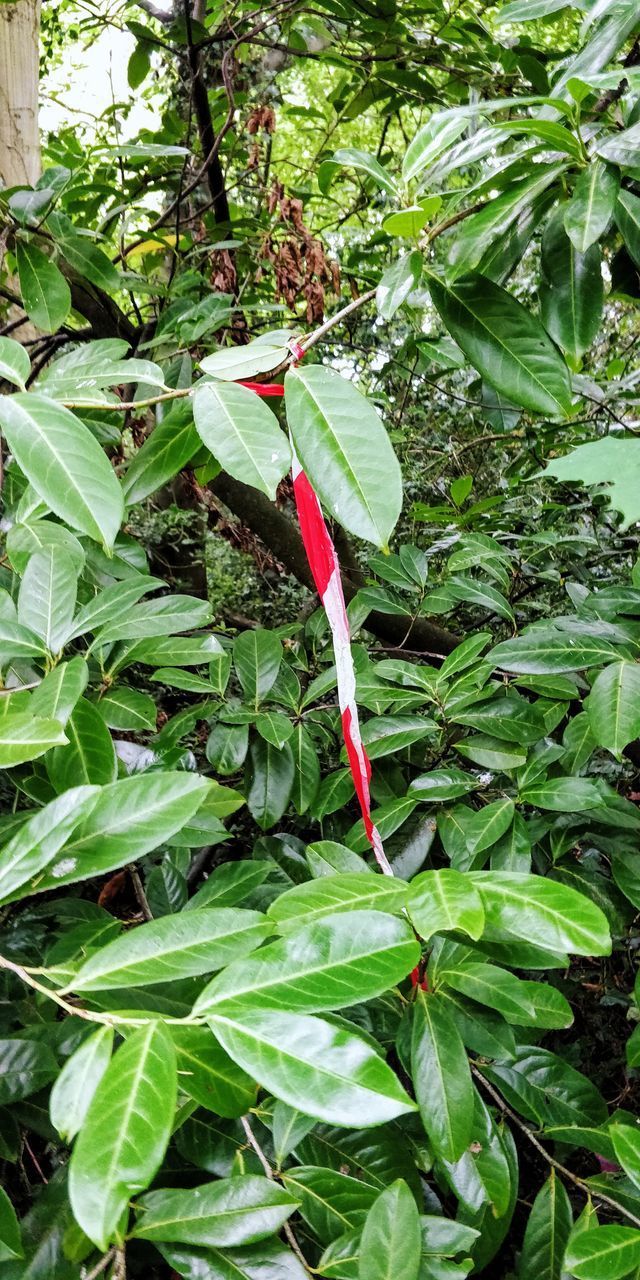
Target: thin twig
(582, 1185)
(100, 1266)
(269, 1173)
(143, 901)
(75, 1011)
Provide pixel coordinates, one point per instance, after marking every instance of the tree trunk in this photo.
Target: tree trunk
(19, 72)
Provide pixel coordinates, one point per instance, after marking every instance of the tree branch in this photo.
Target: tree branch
(212, 167)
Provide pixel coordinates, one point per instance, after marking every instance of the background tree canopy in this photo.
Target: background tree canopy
(395, 243)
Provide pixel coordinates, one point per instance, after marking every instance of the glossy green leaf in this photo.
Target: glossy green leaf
(391, 1238)
(271, 776)
(614, 466)
(257, 656)
(128, 709)
(551, 653)
(345, 451)
(83, 254)
(320, 1069)
(443, 900)
(58, 693)
(232, 363)
(591, 207)
(64, 463)
(74, 1089)
(45, 292)
(15, 365)
(125, 1134)
(306, 779)
(130, 817)
(330, 964)
(330, 1201)
(25, 1067)
(430, 141)
(541, 911)
(363, 162)
(492, 988)
(441, 1077)
(25, 737)
(545, 1088)
(505, 343)
(171, 948)
(547, 1232)
(350, 891)
(41, 837)
(160, 617)
(10, 1240)
(613, 706)
(171, 445)
(243, 434)
(627, 215)
(626, 1144)
(563, 795)
(603, 1253)
(89, 756)
(571, 290)
(441, 784)
(397, 282)
(47, 598)
(208, 1075)
(232, 1211)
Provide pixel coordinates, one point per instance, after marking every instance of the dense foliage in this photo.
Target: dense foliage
(232, 1049)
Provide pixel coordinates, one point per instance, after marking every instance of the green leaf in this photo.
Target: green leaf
(481, 595)
(442, 784)
(270, 781)
(18, 642)
(345, 451)
(613, 706)
(384, 735)
(505, 343)
(441, 1077)
(603, 1253)
(546, 1089)
(45, 292)
(163, 616)
(83, 254)
(243, 434)
(10, 1238)
(542, 911)
(208, 1075)
(274, 727)
(64, 463)
(25, 1067)
(563, 795)
(227, 746)
(233, 363)
(409, 221)
(171, 948)
(591, 207)
(352, 891)
(363, 162)
(58, 693)
(130, 818)
(124, 1137)
(74, 1089)
(492, 988)
(330, 1201)
(397, 282)
(110, 604)
(391, 1239)
(626, 1144)
(89, 756)
(128, 709)
(622, 147)
(171, 445)
(257, 655)
(25, 737)
(47, 598)
(15, 365)
(551, 652)
(40, 838)
(430, 141)
(627, 214)
(547, 1232)
(251, 1263)
(25, 540)
(443, 900)
(231, 1211)
(571, 290)
(306, 781)
(330, 964)
(320, 1069)
(613, 465)
(528, 10)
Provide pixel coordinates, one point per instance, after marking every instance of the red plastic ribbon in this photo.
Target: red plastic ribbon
(325, 569)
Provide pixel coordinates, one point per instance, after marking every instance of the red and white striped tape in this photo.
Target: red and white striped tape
(325, 569)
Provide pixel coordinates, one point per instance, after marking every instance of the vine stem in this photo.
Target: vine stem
(269, 1173)
(89, 1015)
(551, 1160)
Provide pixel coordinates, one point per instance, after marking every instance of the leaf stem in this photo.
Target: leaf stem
(269, 1173)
